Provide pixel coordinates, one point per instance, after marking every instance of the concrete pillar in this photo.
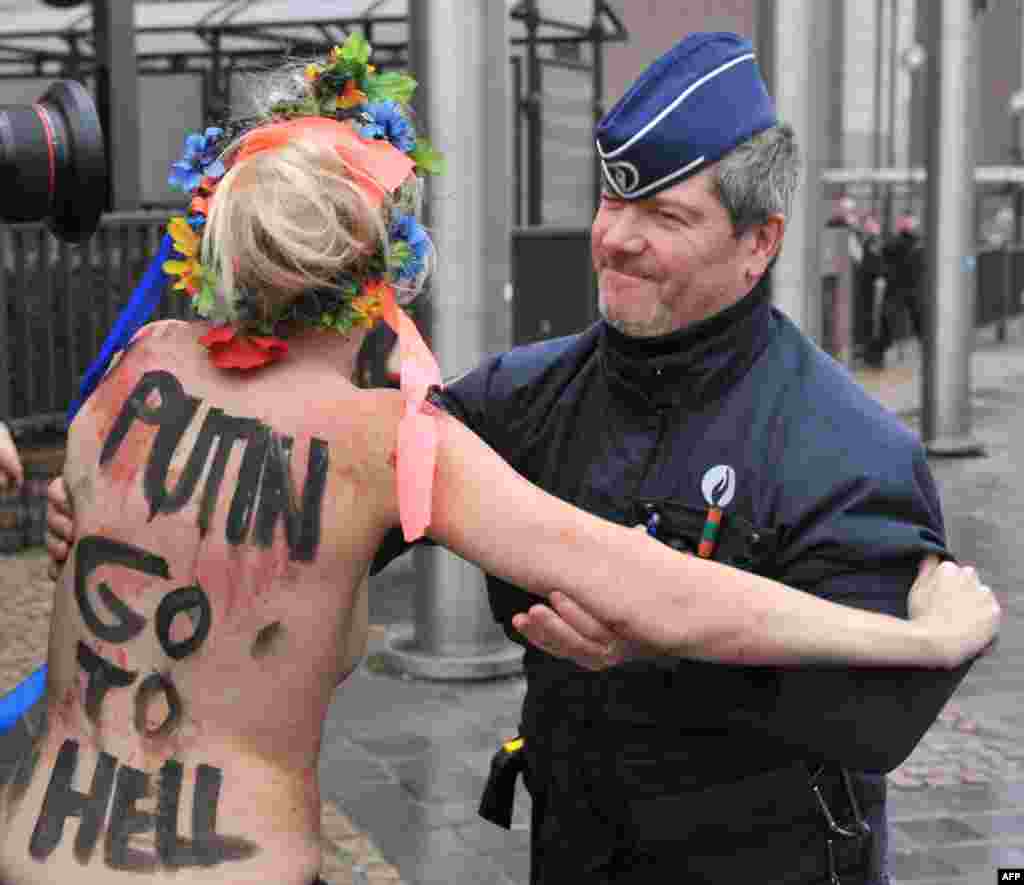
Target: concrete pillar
(464, 108)
(117, 98)
(949, 216)
(792, 35)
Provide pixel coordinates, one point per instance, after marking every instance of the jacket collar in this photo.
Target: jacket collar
(693, 365)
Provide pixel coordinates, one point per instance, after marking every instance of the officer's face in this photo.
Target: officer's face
(673, 259)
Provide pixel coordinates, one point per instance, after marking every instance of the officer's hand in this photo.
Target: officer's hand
(60, 526)
(567, 631)
(959, 611)
(11, 473)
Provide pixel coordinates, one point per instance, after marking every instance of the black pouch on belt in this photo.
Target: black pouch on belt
(500, 789)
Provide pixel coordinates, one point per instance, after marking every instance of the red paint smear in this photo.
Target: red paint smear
(132, 453)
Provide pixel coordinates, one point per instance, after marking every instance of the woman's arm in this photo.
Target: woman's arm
(643, 591)
(565, 630)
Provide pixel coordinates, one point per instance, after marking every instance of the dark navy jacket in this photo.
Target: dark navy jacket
(832, 494)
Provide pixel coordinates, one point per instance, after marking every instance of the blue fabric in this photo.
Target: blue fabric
(134, 316)
(20, 699)
(687, 110)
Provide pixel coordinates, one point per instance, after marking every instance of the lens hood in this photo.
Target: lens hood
(82, 186)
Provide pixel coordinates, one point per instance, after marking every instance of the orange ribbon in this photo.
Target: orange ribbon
(377, 165)
(417, 432)
(379, 168)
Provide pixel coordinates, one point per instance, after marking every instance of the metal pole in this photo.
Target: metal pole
(949, 319)
(534, 132)
(876, 105)
(597, 49)
(454, 635)
(1005, 289)
(1018, 142)
(117, 93)
(800, 30)
(891, 139)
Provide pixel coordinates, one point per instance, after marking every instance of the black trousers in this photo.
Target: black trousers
(606, 859)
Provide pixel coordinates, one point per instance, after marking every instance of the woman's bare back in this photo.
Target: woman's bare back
(215, 598)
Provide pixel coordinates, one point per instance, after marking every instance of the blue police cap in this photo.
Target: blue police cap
(689, 108)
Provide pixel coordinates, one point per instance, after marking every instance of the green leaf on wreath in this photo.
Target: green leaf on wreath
(356, 49)
(390, 86)
(426, 158)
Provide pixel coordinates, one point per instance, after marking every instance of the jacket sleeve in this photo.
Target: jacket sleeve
(867, 719)
(861, 546)
(464, 398)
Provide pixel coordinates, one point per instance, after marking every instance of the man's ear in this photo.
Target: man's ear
(768, 240)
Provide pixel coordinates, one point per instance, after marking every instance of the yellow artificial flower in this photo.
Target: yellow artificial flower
(186, 244)
(186, 240)
(369, 306)
(313, 71)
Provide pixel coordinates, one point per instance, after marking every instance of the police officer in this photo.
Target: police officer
(695, 408)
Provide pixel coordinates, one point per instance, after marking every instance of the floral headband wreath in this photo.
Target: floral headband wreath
(363, 115)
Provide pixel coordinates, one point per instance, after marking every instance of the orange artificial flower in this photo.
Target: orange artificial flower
(351, 97)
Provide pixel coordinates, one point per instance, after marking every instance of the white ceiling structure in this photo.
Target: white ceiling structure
(40, 39)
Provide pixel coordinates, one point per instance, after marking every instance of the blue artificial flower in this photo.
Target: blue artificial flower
(407, 229)
(200, 159)
(389, 122)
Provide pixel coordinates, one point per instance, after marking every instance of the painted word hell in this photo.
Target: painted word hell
(129, 785)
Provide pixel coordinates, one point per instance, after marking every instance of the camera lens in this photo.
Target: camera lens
(52, 162)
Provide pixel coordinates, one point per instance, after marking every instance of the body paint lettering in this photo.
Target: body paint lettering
(302, 525)
(93, 551)
(126, 821)
(185, 599)
(153, 685)
(129, 785)
(102, 676)
(62, 802)
(264, 487)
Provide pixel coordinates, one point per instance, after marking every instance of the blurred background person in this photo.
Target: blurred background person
(904, 258)
(871, 328)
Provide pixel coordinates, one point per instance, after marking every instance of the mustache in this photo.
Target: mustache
(629, 270)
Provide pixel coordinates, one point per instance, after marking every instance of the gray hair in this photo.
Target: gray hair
(758, 177)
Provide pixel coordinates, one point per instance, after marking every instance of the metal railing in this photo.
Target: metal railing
(57, 303)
